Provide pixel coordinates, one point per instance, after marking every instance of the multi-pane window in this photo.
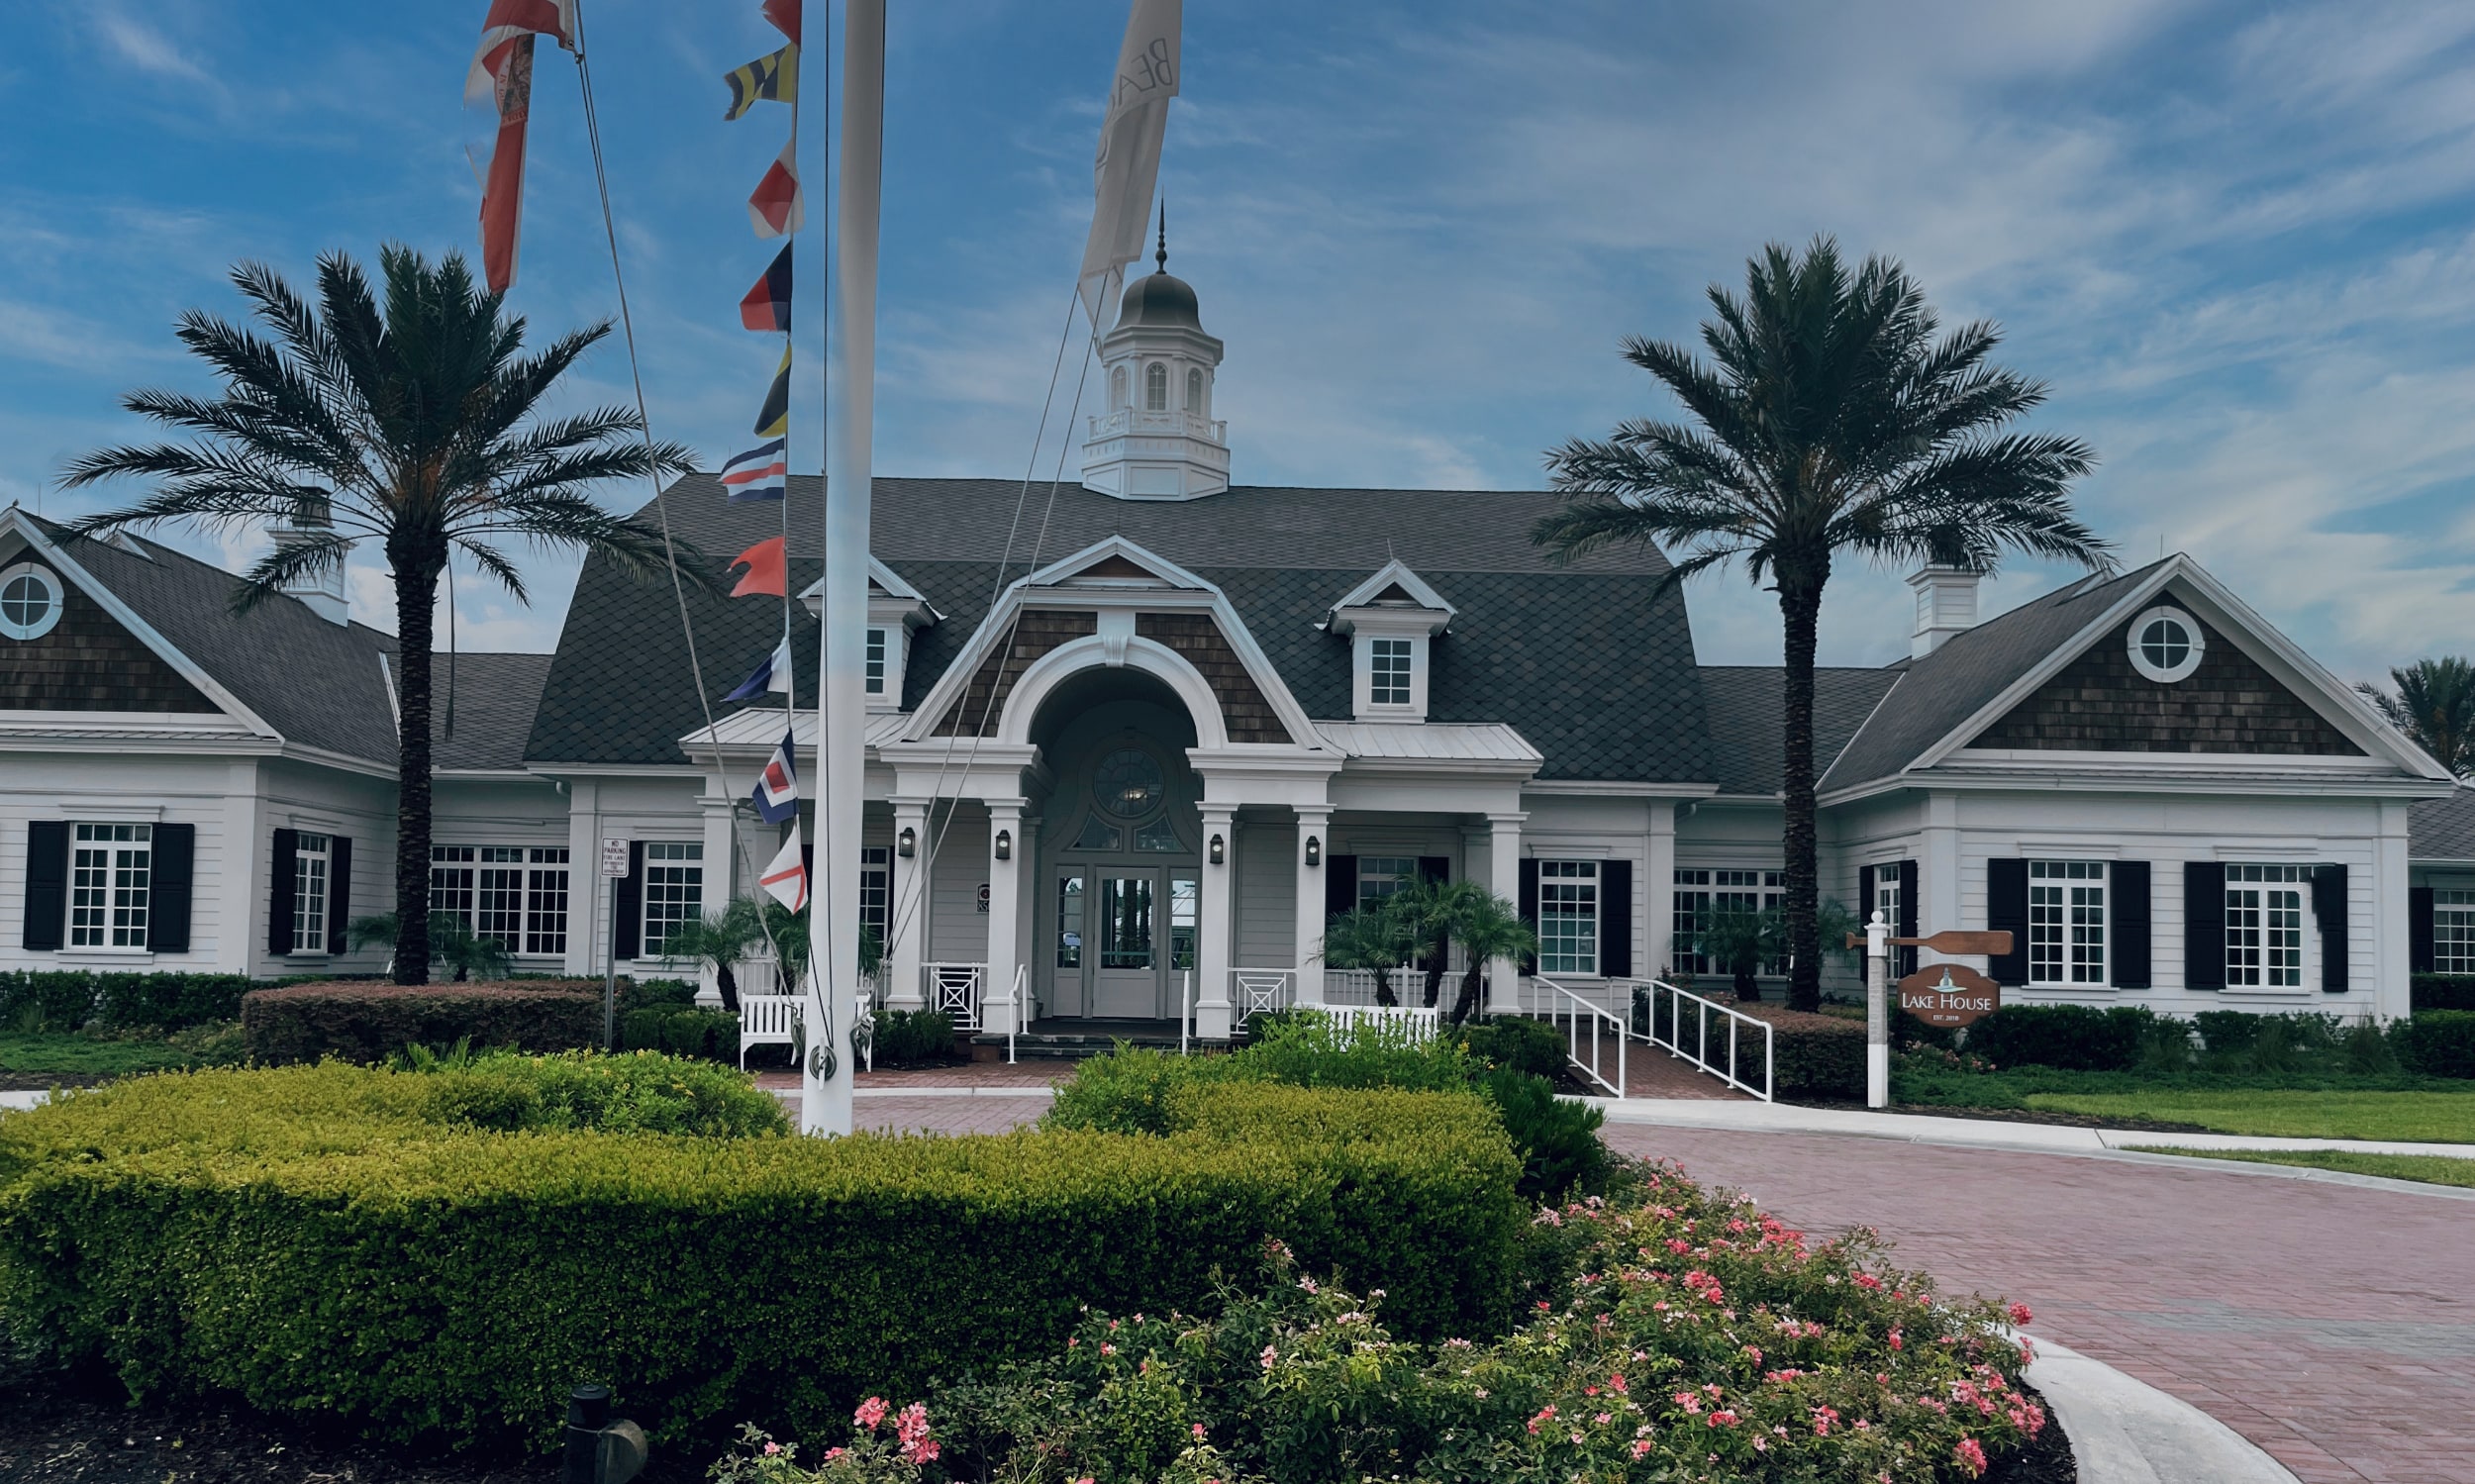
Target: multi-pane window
(1388, 672)
(876, 891)
(1379, 876)
(2066, 921)
(2264, 926)
(2453, 930)
(517, 894)
(876, 662)
(111, 886)
(674, 889)
(1156, 387)
(308, 892)
(1185, 920)
(1069, 921)
(1194, 390)
(1568, 917)
(1699, 893)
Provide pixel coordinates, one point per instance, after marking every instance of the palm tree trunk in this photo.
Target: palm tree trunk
(1800, 607)
(1468, 1000)
(1383, 987)
(416, 589)
(728, 983)
(1436, 957)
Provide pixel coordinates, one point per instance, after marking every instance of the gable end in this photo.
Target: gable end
(1198, 640)
(2100, 703)
(89, 662)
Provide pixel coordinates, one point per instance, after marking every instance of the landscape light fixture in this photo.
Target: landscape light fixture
(1005, 845)
(1220, 851)
(907, 842)
(1314, 850)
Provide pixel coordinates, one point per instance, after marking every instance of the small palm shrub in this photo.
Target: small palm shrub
(913, 1037)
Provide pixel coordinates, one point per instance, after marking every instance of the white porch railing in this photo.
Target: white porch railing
(1358, 986)
(1253, 992)
(1413, 1023)
(1592, 1034)
(1680, 1023)
(956, 989)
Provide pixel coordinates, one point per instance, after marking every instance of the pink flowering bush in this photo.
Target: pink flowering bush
(1693, 1339)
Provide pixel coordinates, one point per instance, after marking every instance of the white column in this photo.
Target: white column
(2385, 969)
(1937, 885)
(1214, 1018)
(1029, 884)
(906, 902)
(1314, 823)
(1659, 882)
(247, 846)
(1005, 910)
(588, 891)
(721, 873)
(1504, 872)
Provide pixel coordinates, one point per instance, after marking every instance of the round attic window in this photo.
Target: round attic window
(30, 601)
(2166, 644)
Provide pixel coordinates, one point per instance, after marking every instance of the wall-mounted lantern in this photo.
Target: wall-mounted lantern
(1220, 851)
(1314, 850)
(907, 843)
(1005, 845)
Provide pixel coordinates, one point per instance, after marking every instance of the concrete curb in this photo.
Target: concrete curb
(2127, 1432)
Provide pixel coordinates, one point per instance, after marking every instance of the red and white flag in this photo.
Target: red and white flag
(777, 207)
(502, 72)
(786, 879)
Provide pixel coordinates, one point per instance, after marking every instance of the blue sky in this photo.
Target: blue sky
(2235, 239)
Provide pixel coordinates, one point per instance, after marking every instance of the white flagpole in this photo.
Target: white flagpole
(833, 915)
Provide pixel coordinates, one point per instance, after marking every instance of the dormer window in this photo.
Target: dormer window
(1388, 672)
(1391, 620)
(876, 662)
(1156, 387)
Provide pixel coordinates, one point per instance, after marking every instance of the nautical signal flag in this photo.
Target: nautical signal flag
(769, 571)
(777, 787)
(772, 673)
(509, 20)
(771, 78)
(767, 306)
(502, 72)
(777, 207)
(784, 14)
(757, 475)
(774, 420)
(786, 879)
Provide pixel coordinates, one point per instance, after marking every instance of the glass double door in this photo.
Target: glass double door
(1124, 938)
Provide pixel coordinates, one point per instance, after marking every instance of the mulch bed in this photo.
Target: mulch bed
(2019, 1115)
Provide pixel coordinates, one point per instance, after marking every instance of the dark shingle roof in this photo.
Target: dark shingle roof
(318, 684)
(1937, 693)
(495, 696)
(1747, 716)
(1584, 663)
(2443, 829)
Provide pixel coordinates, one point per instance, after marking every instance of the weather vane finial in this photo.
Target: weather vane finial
(1163, 257)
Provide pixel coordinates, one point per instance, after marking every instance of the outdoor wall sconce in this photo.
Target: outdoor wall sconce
(1314, 850)
(1005, 845)
(907, 842)
(1220, 851)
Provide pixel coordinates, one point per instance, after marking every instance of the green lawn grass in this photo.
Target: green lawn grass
(2432, 1169)
(87, 1055)
(2422, 1117)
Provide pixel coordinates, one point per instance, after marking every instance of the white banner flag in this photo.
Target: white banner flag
(1128, 167)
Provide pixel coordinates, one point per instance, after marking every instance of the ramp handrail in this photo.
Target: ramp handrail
(1571, 1012)
(1667, 1009)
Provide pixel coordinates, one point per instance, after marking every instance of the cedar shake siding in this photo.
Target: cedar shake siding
(2229, 704)
(1038, 631)
(1198, 640)
(89, 662)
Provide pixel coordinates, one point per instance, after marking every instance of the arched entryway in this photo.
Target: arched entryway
(1118, 921)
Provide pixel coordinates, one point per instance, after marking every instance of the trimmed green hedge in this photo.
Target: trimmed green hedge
(1813, 1055)
(713, 1035)
(318, 1242)
(68, 999)
(2441, 992)
(2069, 1038)
(2436, 1043)
(367, 1020)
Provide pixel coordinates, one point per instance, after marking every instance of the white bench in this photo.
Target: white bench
(767, 1020)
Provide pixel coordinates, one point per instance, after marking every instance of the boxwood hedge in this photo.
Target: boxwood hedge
(365, 1021)
(320, 1241)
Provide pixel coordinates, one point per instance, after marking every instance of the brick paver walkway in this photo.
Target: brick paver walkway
(2333, 1325)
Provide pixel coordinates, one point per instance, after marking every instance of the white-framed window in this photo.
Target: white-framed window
(1885, 895)
(2067, 922)
(517, 894)
(1388, 672)
(30, 600)
(1379, 876)
(111, 885)
(674, 889)
(1568, 917)
(2166, 644)
(309, 891)
(1700, 891)
(1194, 390)
(1156, 387)
(876, 662)
(2264, 938)
(2453, 930)
(876, 890)
(545, 899)
(499, 898)
(1117, 388)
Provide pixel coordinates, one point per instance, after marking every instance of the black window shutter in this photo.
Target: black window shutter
(2204, 925)
(281, 883)
(2420, 930)
(1530, 908)
(2133, 933)
(338, 892)
(627, 927)
(173, 885)
(1864, 896)
(1616, 919)
(1435, 870)
(2007, 911)
(1340, 884)
(1905, 959)
(2328, 905)
(47, 884)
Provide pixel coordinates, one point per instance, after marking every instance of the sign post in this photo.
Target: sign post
(614, 872)
(1877, 1012)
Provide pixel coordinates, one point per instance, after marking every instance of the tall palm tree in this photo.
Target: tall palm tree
(2434, 707)
(416, 426)
(1832, 418)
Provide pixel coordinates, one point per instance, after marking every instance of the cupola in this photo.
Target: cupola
(1157, 439)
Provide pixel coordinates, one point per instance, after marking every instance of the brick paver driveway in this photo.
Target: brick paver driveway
(2333, 1325)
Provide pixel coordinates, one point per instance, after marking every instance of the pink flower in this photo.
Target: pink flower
(1615, 1383)
(912, 1428)
(1545, 1414)
(2020, 1313)
(772, 1449)
(1970, 1456)
(1603, 1419)
(1688, 1401)
(1899, 1342)
(1640, 1446)
(1268, 1357)
(871, 1413)
(832, 1453)
(1723, 1418)
(1869, 1282)
(1198, 1430)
